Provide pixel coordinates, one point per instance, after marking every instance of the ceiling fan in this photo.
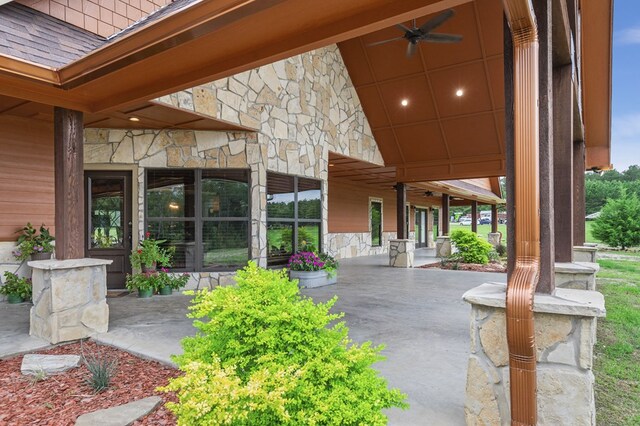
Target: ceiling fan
(417, 34)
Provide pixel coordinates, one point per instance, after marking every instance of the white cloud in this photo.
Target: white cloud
(625, 140)
(628, 36)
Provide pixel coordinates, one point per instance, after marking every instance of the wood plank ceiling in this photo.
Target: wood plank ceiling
(437, 135)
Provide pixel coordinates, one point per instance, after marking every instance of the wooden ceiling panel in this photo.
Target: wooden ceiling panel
(389, 61)
(356, 61)
(496, 80)
(421, 142)
(388, 146)
(373, 106)
(416, 91)
(438, 55)
(490, 17)
(461, 134)
(472, 79)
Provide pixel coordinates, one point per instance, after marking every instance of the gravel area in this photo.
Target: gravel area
(58, 400)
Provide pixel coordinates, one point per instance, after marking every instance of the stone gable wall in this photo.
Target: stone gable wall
(301, 108)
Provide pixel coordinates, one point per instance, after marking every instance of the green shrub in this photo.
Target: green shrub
(472, 248)
(266, 355)
(619, 223)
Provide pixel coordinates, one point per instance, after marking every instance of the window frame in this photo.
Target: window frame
(381, 202)
(199, 219)
(295, 221)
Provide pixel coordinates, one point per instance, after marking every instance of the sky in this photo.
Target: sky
(625, 114)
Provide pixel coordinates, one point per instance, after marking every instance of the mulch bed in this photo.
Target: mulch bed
(58, 400)
(489, 267)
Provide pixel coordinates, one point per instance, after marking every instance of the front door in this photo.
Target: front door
(108, 222)
(421, 228)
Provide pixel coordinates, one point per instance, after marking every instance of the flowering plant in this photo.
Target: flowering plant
(143, 281)
(15, 285)
(330, 264)
(305, 261)
(30, 242)
(149, 253)
(175, 282)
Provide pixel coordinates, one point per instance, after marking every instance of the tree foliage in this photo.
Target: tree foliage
(610, 185)
(266, 355)
(619, 222)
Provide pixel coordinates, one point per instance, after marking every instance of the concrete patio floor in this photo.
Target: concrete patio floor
(417, 313)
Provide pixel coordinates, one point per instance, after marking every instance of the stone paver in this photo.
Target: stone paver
(48, 364)
(121, 415)
(14, 331)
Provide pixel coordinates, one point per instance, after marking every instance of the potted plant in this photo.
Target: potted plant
(166, 282)
(145, 283)
(308, 269)
(16, 288)
(33, 245)
(331, 266)
(149, 254)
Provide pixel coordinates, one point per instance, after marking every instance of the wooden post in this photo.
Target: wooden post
(401, 197)
(494, 218)
(69, 178)
(474, 216)
(445, 214)
(546, 284)
(579, 207)
(563, 163)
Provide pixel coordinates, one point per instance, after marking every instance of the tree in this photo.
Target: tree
(619, 222)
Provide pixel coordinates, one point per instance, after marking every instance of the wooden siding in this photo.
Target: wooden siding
(26, 175)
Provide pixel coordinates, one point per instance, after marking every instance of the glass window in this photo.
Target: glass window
(212, 237)
(294, 215)
(107, 213)
(376, 223)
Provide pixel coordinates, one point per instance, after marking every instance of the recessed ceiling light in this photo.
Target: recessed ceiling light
(404, 102)
(136, 119)
(459, 92)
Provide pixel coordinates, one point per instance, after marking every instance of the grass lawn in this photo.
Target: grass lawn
(617, 353)
(483, 230)
(588, 235)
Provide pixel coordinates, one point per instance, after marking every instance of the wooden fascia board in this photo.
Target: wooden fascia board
(12, 66)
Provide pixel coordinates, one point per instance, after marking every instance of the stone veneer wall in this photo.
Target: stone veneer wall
(344, 245)
(301, 107)
(565, 333)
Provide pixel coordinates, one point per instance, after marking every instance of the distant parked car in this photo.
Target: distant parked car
(465, 221)
(484, 221)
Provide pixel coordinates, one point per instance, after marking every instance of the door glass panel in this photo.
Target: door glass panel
(107, 213)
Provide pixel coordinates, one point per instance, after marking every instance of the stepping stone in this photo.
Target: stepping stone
(121, 415)
(48, 364)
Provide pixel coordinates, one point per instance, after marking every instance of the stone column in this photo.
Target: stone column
(401, 253)
(565, 325)
(443, 246)
(430, 242)
(69, 299)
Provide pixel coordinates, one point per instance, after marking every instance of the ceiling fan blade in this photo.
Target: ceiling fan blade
(404, 28)
(411, 49)
(384, 41)
(434, 23)
(442, 38)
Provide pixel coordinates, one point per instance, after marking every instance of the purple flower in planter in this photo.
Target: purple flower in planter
(165, 270)
(17, 252)
(38, 249)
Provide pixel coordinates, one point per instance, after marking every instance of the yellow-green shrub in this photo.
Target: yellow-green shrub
(471, 248)
(269, 356)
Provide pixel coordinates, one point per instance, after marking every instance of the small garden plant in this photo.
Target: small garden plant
(305, 261)
(471, 248)
(619, 223)
(31, 242)
(150, 253)
(265, 355)
(16, 286)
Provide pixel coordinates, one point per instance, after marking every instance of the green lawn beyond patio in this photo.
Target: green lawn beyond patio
(617, 353)
(483, 230)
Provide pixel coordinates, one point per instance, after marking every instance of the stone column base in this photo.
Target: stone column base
(565, 327)
(443, 246)
(495, 239)
(401, 253)
(585, 254)
(578, 275)
(69, 299)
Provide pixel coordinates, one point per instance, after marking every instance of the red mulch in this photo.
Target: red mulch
(58, 400)
(489, 267)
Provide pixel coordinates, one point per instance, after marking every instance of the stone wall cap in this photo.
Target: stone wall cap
(443, 237)
(53, 264)
(565, 301)
(404, 240)
(577, 267)
(585, 248)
